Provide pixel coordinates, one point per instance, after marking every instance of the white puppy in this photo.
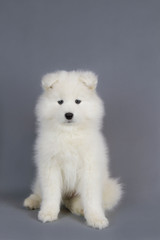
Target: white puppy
(70, 152)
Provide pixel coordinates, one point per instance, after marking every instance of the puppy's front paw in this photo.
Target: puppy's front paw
(47, 215)
(97, 221)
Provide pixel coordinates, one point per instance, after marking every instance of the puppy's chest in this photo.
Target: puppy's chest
(67, 148)
(68, 157)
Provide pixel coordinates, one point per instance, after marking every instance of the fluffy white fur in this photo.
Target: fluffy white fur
(71, 156)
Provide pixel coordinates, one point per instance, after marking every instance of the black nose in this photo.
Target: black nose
(69, 115)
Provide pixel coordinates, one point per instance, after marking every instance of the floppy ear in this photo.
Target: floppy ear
(49, 80)
(89, 79)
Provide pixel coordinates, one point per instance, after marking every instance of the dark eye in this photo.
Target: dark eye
(60, 102)
(77, 101)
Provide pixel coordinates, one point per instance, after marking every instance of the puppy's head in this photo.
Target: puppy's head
(70, 99)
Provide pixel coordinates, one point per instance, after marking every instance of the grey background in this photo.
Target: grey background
(120, 41)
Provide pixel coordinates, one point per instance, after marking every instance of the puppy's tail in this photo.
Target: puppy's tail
(112, 193)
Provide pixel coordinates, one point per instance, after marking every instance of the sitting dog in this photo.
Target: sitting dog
(71, 155)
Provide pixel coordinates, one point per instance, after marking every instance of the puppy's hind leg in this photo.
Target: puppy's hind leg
(74, 205)
(34, 200)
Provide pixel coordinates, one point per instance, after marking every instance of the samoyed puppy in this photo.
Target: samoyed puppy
(71, 155)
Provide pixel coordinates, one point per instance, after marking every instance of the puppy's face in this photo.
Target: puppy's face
(70, 99)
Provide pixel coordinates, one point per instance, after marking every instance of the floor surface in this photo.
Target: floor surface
(127, 222)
